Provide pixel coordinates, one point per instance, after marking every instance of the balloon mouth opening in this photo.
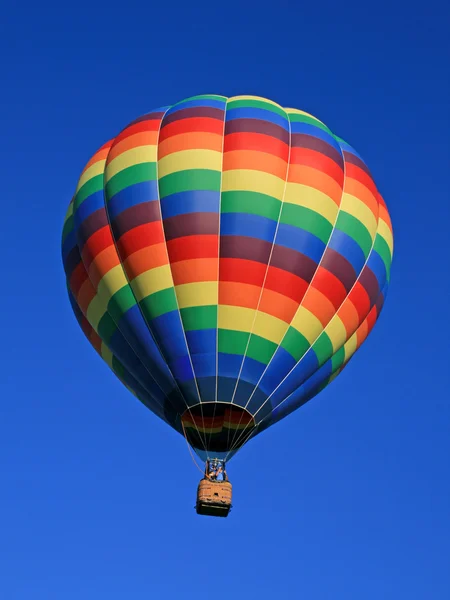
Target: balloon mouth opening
(217, 427)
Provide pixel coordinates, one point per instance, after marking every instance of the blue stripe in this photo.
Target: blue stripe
(257, 113)
(378, 268)
(243, 224)
(348, 248)
(130, 196)
(300, 240)
(229, 364)
(280, 365)
(190, 202)
(204, 364)
(347, 148)
(307, 129)
(202, 341)
(69, 243)
(304, 369)
(197, 104)
(92, 203)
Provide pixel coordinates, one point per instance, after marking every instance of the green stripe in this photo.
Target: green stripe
(68, 228)
(256, 104)
(337, 359)
(131, 175)
(323, 348)
(190, 179)
(252, 203)
(261, 349)
(295, 343)
(356, 230)
(199, 317)
(232, 342)
(159, 303)
(106, 328)
(202, 97)
(307, 219)
(384, 251)
(120, 302)
(296, 118)
(90, 187)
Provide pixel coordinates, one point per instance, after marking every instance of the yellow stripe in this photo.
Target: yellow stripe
(201, 293)
(253, 181)
(307, 324)
(236, 318)
(94, 170)
(386, 234)
(255, 98)
(107, 356)
(296, 111)
(189, 159)
(303, 195)
(129, 158)
(360, 211)
(336, 332)
(350, 347)
(69, 212)
(269, 327)
(96, 309)
(113, 281)
(151, 281)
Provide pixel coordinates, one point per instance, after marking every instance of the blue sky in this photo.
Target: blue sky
(349, 497)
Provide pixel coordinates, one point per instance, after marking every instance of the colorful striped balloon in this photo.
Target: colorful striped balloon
(226, 257)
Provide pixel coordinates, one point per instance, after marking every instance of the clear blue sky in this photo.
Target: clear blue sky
(348, 498)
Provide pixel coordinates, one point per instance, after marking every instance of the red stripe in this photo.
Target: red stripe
(193, 246)
(242, 271)
(256, 141)
(360, 299)
(98, 241)
(330, 286)
(316, 160)
(149, 125)
(140, 237)
(286, 283)
(194, 124)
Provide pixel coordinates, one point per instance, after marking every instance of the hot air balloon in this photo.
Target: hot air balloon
(226, 257)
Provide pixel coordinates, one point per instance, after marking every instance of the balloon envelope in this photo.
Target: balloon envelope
(226, 257)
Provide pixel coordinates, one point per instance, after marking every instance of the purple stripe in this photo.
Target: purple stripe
(89, 226)
(302, 140)
(339, 266)
(293, 262)
(354, 160)
(194, 112)
(146, 212)
(200, 223)
(235, 246)
(257, 126)
(370, 283)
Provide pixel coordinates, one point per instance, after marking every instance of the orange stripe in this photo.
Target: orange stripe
(349, 316)
(144, 138)
(99, 155)
(278, 305)
(86, 294)
(102, 264)
(255, 161)
(255, 141)
(360, 191)
(362, 333)
(316, 179)
(238, 294)
(189, 141)
(195, 269)
(145, 259)
(319, 305)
